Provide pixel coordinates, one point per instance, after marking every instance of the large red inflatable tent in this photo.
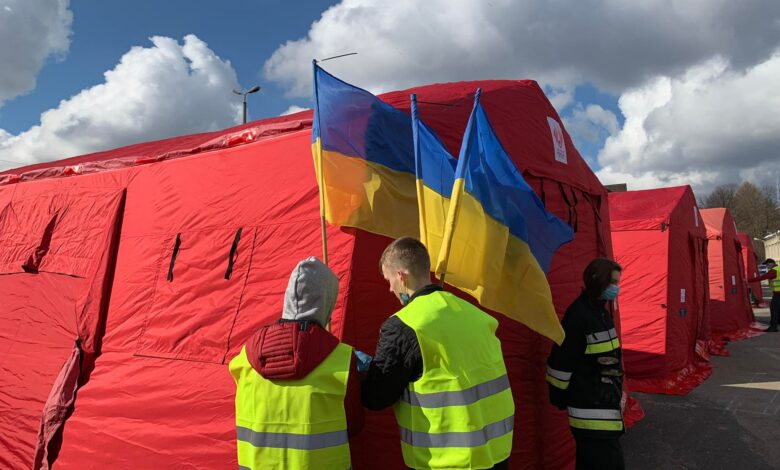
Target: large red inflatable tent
(730, 314)
(659, 239)
(120, 313)
(750, 263)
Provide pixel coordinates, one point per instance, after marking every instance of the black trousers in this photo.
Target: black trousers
(599, 454)
(774, 310)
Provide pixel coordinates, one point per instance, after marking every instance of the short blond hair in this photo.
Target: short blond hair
(407, 253)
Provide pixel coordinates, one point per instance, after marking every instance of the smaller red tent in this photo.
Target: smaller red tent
(659, 239)
(750, 263)
(730, 312)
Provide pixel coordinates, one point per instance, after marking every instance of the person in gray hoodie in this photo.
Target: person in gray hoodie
(289, 351)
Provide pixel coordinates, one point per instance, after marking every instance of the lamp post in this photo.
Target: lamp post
(254, 89)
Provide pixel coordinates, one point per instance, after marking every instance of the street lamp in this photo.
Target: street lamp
(254, 89)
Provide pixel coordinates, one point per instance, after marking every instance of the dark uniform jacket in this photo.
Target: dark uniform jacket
(585, 373)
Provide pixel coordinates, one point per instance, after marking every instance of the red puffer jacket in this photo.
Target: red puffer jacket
(289, 350)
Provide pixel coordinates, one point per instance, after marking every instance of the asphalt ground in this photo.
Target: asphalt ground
(731, 421)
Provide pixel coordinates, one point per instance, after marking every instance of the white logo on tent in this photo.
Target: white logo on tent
(559, 143)
(733, 280)
(682, 296)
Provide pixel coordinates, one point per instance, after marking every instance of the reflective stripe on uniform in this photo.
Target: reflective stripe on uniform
(292, 441)
(596, 424)
(558, 374)
(594, 413)
(476, 438)
(601, 348)
(596, 419)
(558, 378)
(602, 342)
(456, 398)
(601, 336)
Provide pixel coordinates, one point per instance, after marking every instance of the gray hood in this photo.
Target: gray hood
(311, 292)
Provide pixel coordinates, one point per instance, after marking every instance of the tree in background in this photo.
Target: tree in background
(722, 196)
(754, 209)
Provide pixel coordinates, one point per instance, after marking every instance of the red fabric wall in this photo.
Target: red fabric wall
(659, 240)
(730, 312)
(56, 253)
(750, 263)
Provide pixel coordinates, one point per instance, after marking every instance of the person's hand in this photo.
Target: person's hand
(363, 361)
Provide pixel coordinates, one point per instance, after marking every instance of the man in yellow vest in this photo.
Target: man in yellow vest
(297, 387)
(773, 276)
(439, 363)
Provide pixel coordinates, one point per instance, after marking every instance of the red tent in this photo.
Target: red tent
(750, 263)
(125, 254)
(730, 312)
(659, 239)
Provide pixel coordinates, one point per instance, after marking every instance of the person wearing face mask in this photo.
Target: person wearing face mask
(585, 373)
(439, 363)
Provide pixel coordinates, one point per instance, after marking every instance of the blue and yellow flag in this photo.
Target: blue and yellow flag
(435, 173)
(498, 238)
(364, 160)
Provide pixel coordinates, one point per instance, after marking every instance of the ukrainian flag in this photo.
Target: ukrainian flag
(435, 174)
(364, 160)
(498, 238)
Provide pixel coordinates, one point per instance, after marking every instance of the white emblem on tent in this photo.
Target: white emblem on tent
(682, 296)
(559, 144)
(733, 280)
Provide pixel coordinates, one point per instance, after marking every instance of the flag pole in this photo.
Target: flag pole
(317, 149)
(418, 172)
(457, 192)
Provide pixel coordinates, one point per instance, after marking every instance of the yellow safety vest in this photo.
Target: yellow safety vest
(775, 283)
(293, 424)
(460, 413)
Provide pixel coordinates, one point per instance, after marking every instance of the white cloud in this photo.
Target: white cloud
(711, 125)
(165, 90)
(612, 44)
(31, 31)
(590, 123)
(292, 110)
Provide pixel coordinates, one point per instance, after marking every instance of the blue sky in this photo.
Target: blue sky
(243, 32)
(653, 93)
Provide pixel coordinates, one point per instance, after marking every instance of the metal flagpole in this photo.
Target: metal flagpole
(318, 163)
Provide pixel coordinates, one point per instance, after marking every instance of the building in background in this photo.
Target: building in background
(772, 245)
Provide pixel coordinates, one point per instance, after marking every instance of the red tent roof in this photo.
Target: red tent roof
(719, 223)
(646, 209)
(448, 117)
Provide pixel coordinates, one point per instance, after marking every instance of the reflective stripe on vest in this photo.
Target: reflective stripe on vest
(596, 419)
(775, 283)
(457, 398)
(281, 440)
(602, 342)
(297, 424)
(460, 412)
(476, 438)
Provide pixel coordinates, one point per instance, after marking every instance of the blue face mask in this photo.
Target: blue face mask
(404, 298)
(610, 293)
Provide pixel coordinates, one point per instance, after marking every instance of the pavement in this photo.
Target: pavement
(731, 421)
